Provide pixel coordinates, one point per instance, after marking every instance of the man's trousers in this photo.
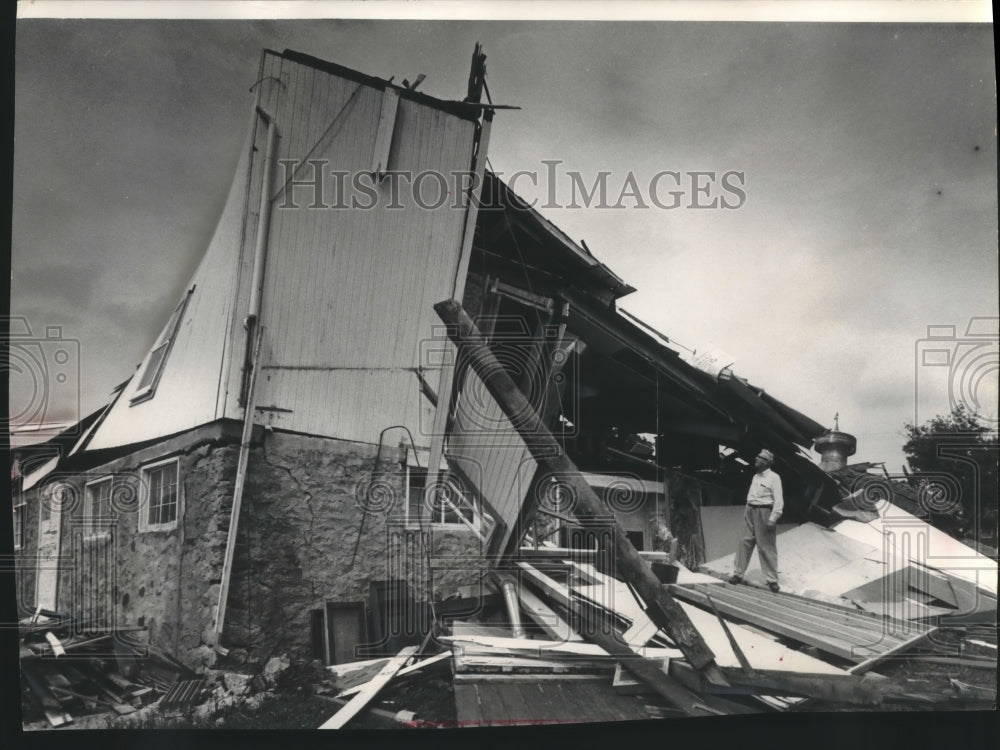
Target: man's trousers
(758, 533)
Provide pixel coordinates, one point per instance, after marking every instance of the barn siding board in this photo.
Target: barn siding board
(367, 310)
(489, 451)
(868, 637)
(351, 290)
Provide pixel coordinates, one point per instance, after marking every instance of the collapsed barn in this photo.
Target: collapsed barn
(313, 460)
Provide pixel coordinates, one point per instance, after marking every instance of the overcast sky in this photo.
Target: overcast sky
(869, 154)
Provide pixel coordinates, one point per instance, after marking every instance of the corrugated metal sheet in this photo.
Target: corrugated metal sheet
(347, 293)
(488, 450)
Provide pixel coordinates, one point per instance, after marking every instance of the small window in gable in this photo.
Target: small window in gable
(97, 506)
(153, 368)
(162, 504)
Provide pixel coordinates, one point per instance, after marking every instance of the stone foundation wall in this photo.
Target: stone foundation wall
(115, 574)
(305, 539)
(302, 518)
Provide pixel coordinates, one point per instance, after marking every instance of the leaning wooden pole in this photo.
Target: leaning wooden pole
(663, 610)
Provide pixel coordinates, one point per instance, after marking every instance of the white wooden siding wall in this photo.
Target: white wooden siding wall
(349, 293)
(485, 446)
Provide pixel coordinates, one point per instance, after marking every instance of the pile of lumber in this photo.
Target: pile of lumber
(76, 667)
(575, 644)
(580, 623)
(360, 682)
(625, 613)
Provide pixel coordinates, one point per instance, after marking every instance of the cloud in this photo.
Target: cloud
(870, 213)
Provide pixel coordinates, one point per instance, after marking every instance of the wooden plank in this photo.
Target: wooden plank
(500, 661)
(420, 665)
(527, 646)
(244, 452)
(463, 628)
(57, 647)
(624, 684)
(843, 640)
(833, 612)
(827, 618)
(92, 700)
(640, 632)
(468, 706)
(558, 553)
(553, 588)
(741, 657)
(479, 661)
(953, 661)
(812, 630)
(339, 670)
(447, 380)
(520, 701)
(361, 699)
(871, 661)
(836, 611)
(183, 692)
(861, 690)
(383, 137)
(530, 677)
(650, 672)
(545, 617)
(506, 702)
(766, 652)
(51, 706)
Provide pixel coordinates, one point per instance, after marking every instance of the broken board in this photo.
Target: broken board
(361, 699)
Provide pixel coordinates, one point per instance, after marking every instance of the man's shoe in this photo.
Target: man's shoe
(774, 587)
(736, 579)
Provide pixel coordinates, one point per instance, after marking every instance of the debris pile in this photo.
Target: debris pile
(580, 646)
(73, 667)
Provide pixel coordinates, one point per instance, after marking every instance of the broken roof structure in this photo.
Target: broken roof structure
(365, 398)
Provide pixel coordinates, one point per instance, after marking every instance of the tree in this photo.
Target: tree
(954, 459)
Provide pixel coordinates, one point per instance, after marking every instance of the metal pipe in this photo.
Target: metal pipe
(509, 589)
(250, 372)
(264, 218)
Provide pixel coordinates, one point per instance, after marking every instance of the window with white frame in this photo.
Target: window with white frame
(149, 376)
(450, 504)
(96, 505)
(19, 526)
(162, 504)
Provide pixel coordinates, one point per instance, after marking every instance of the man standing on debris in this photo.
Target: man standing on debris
(764, 506)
